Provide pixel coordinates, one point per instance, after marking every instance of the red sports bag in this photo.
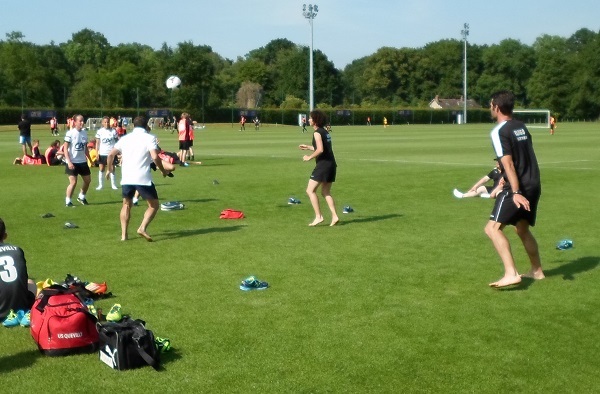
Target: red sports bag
(61, 323)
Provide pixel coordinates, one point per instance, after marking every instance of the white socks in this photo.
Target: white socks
(101, 178)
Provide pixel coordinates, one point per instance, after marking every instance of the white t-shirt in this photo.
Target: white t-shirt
(135, 148)
(77, 142)
(108, 138)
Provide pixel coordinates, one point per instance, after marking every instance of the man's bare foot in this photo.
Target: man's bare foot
(316, 221)
(334, 221)
(145, 235)
(124, 238)
(536, 274)
(506, 281)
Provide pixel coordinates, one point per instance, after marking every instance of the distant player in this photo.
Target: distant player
(552, 125)
(76, 153)
(243, 123)
(106, 138)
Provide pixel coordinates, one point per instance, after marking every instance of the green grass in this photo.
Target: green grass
(394, 299)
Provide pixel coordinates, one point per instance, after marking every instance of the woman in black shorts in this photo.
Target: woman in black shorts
(324, 173)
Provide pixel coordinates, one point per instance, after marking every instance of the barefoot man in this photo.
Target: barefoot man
(517, 203)
(138, 149)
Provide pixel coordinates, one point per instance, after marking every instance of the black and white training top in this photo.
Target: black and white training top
(512, 138)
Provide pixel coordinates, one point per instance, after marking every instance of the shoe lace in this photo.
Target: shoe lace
(11, 315)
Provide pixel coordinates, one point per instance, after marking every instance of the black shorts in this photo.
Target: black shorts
(146, 192)
(489, 189)
(184, 145)
(325, 171)
(80, 169)
(506, 212)
(190, 143)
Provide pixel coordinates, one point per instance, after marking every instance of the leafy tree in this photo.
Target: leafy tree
(87, 47)
(507, 65)
(549, 85)
(249, 95)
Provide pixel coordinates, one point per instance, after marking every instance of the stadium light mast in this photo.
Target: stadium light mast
(310, 12)
(465, 34)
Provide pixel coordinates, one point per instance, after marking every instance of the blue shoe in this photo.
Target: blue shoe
(348, 209)
(13, 319)
(293, 201)
(26, 319)
(252, 283)
(564, 244)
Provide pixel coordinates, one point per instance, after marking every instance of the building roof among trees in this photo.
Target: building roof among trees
(440, 103)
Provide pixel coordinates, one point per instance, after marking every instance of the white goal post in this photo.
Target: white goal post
(533, 118)
(156, 122)
(93, 124)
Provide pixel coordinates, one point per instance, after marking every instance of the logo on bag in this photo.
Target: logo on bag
(107, 356)
(70, 335)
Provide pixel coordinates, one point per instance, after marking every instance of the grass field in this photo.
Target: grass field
(393, 299)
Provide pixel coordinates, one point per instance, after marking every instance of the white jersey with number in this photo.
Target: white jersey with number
(108, 138)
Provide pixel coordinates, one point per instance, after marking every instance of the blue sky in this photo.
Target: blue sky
(343, 30)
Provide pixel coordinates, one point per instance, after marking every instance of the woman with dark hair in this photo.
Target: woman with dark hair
(324, 173)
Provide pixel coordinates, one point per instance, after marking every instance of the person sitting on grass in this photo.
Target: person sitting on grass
(17, 290)
(54, 155)
(479, 188)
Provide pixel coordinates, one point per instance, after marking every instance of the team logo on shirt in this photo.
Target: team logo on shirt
(520, 134)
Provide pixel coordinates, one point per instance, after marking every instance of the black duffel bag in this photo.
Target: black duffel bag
(127, 344)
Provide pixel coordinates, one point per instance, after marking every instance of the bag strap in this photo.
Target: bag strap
(147, 358)
(56, 290)
(139, 330)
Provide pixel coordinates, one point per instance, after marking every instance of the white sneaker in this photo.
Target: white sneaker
(457, 194)
(114, 187)
(99, 187)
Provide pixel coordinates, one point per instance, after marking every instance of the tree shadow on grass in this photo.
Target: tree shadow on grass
(18, 361)
(344, 222)
(568, 272)
(199, 231)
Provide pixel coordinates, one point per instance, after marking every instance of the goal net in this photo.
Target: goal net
(155, 123)
(93, 123)
(533, 118)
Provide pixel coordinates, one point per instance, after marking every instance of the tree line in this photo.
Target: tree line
(557, 73)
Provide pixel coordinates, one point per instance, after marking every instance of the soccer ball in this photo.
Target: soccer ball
(173, 82)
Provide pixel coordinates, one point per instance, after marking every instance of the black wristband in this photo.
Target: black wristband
(518, 192)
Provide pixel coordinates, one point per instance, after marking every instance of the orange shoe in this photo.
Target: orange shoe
(96, 288)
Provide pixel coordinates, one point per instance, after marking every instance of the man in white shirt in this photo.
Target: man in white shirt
(76, 156)
(105, 141)
(138, 150)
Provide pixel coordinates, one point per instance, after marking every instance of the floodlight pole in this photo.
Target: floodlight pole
(310, 12)
(465, 34)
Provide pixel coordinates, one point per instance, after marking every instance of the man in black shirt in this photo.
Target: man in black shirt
(17, 291)
(25, 134)
(517, 203)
